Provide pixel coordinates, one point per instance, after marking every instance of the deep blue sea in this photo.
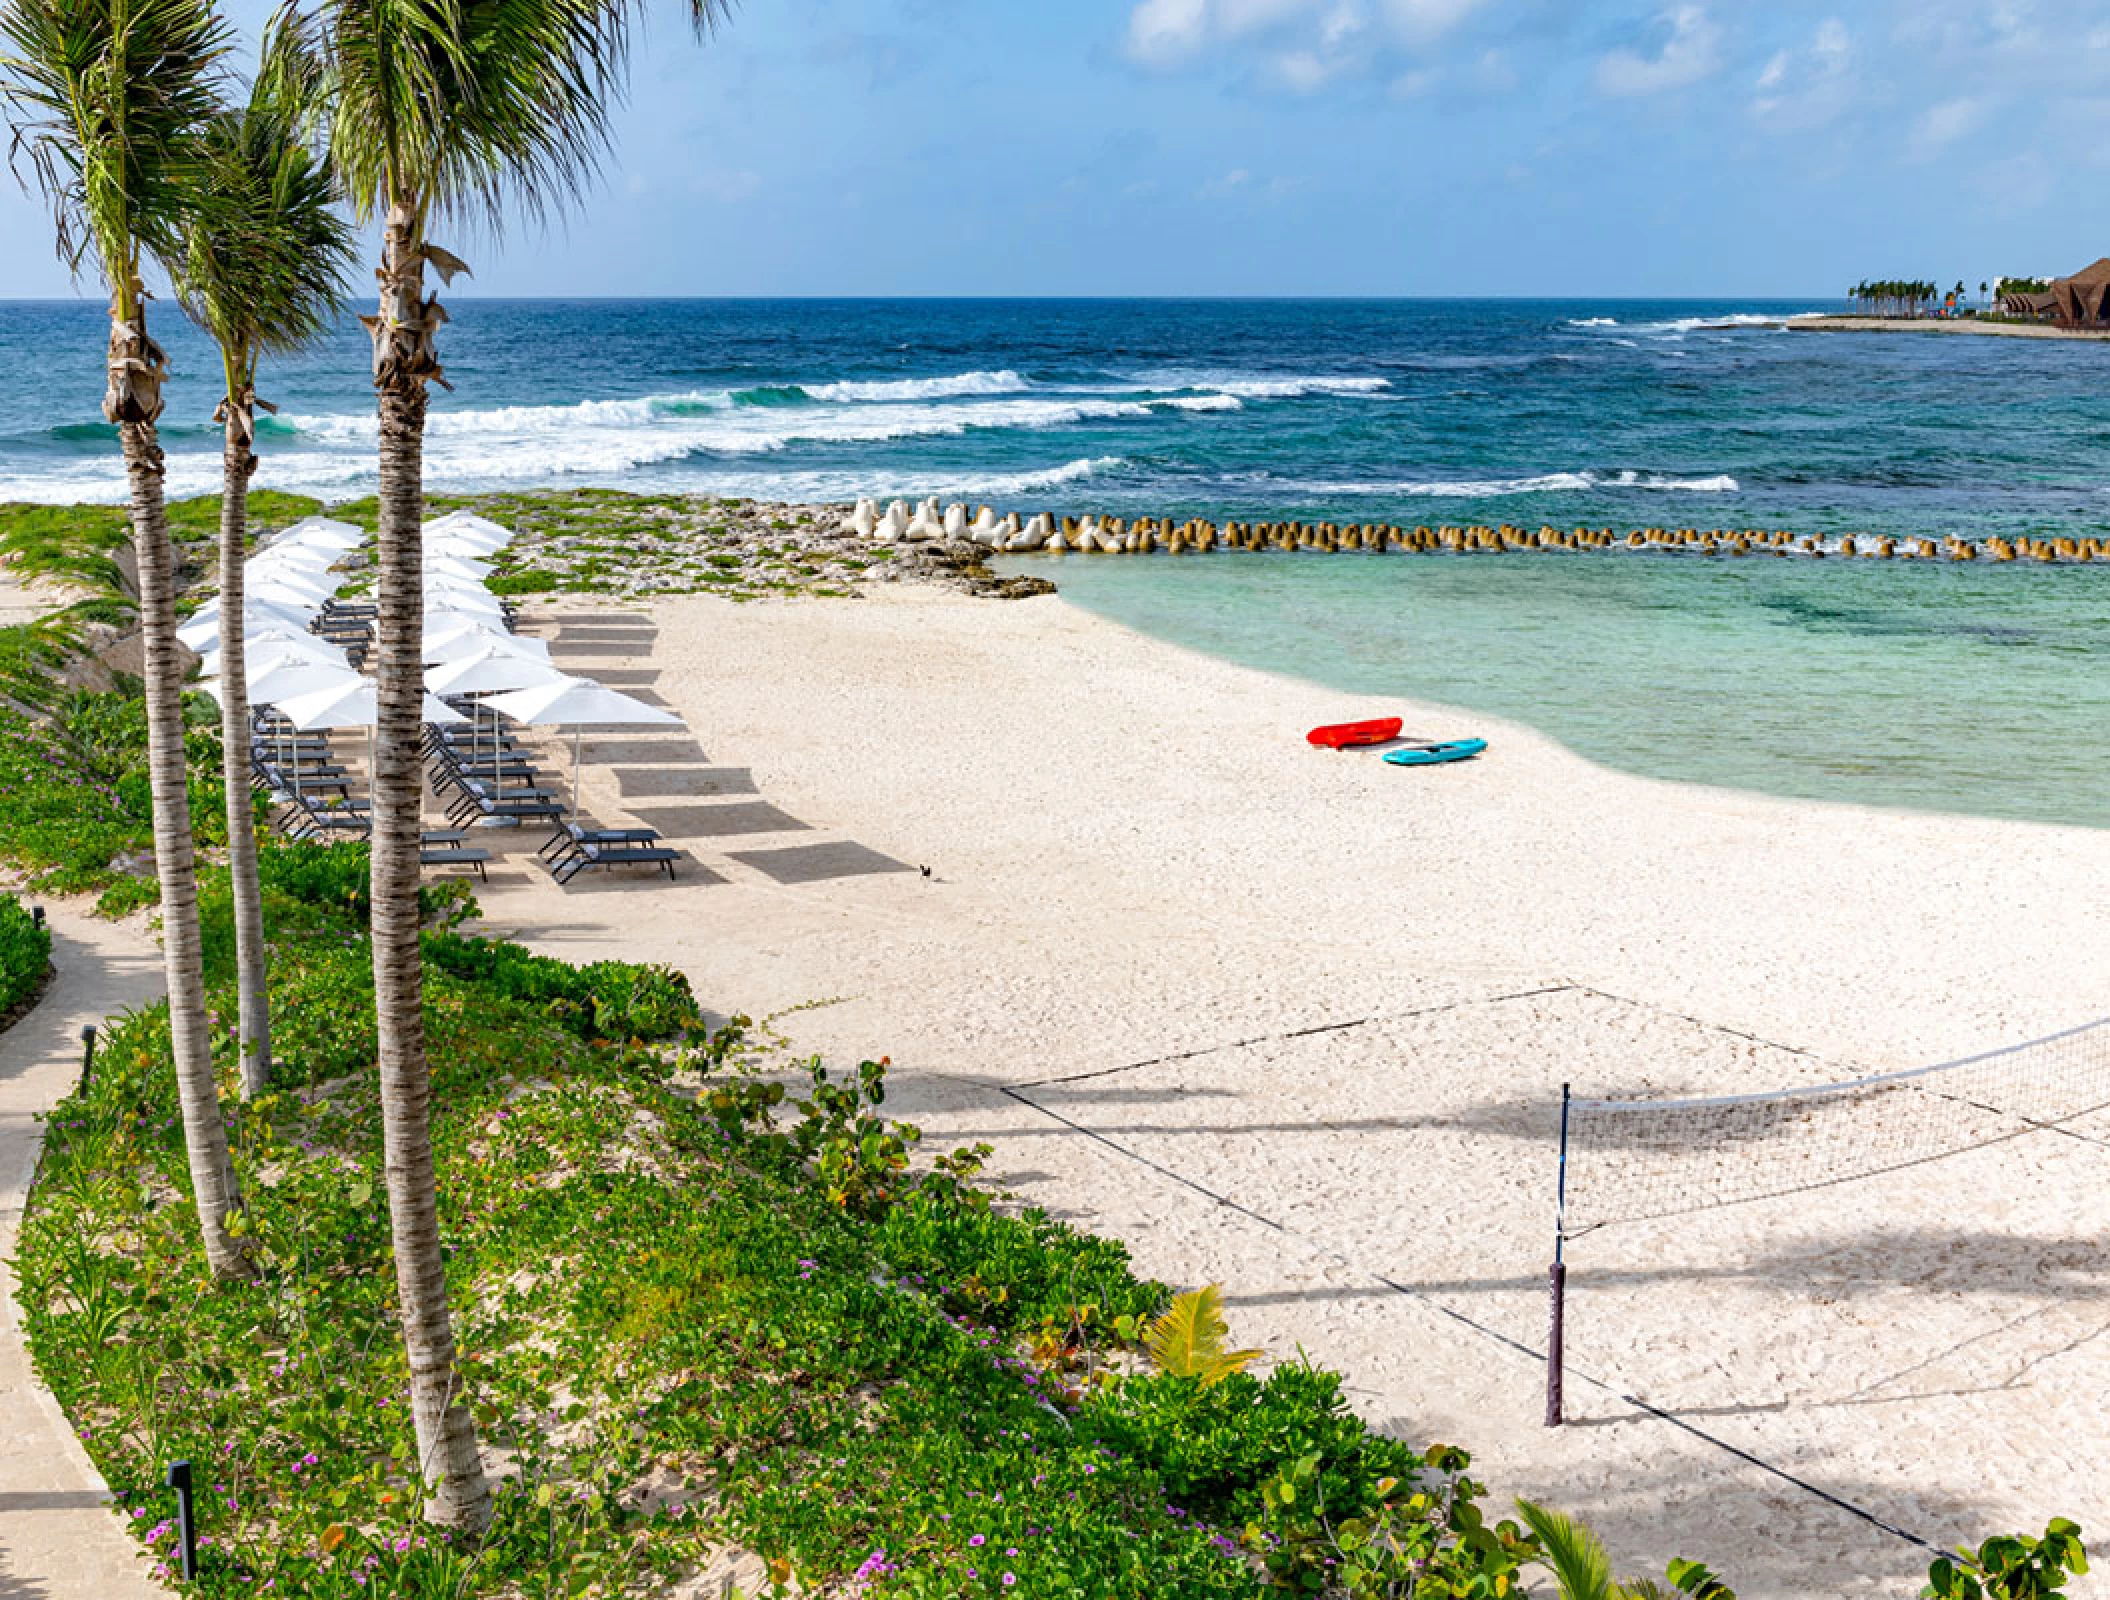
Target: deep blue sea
(1980, 688)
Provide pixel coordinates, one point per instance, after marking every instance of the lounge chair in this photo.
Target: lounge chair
(447, 847)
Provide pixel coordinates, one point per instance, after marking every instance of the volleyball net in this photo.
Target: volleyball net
(1624, 1161)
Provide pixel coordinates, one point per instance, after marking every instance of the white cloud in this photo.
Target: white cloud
(1312, 41)
(1809, 87)
(1944, 124)
(1304, 70)
(1166, 31)
(1428, 19)
(1690, 52)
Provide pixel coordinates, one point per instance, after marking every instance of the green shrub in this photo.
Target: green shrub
(1217, 1444)
(75, 811)
(529, 580)
(25, 954)
(606, 1000)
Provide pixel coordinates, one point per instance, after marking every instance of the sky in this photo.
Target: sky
(1321, 147)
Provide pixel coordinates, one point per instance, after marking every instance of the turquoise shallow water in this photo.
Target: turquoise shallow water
(1964, 688)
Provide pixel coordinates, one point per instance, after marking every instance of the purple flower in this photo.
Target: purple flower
(977, 1541)
(1009, 1579)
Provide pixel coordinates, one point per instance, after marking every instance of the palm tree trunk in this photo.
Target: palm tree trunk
(134, 402)
(448, 1457)
(255, 1028)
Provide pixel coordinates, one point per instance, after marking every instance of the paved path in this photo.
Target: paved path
(57, 1539)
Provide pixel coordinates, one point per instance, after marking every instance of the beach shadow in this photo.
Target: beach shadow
(675, 749)
(817, 863)
(718, 821)
(647, 783)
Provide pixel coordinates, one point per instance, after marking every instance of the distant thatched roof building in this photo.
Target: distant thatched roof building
(2083, 300)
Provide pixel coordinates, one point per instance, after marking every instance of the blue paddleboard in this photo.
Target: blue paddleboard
(1432, 755)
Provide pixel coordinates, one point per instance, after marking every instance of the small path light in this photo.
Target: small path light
(87, 1053)
(186, 1524)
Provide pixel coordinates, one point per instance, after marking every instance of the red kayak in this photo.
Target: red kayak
(1347, 735)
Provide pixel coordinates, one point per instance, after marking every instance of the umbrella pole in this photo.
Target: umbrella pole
(576, 734)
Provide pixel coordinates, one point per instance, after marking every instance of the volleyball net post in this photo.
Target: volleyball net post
(1557, 1282)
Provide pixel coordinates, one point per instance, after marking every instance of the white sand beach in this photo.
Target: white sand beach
(1954, 325)
(1314, 1013)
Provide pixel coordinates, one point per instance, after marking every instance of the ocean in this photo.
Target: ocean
(1974, 689)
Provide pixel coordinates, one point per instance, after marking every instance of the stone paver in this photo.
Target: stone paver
(58, 1539)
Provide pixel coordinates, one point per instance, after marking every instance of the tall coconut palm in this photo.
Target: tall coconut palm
(108, 100)
(262, 270)
(440, 111)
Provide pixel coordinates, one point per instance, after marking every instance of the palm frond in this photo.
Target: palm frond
(469, 109)
(265, 252)
(105, 100)
(1581, 1569)
(1188, 1340)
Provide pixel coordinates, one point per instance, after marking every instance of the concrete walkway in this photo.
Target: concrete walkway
(58, 1539)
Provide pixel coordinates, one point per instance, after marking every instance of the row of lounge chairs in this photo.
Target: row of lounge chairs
(476, 774)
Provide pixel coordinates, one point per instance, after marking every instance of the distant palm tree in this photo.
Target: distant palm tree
(108, 101)
(262, 271)
(443, 110)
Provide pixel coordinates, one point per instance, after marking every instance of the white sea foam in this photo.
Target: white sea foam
(965, 383)
(1543, 483)
(1678, 327)
(1289, 388)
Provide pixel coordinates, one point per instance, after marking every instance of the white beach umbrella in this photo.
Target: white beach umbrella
(575, 703)
(468, 525)
(470, 602)
(290, 563)
(294, 593)
(354, 705)
(490, 671)
(323, 531)
(204, 627)
(444, 612)
(269, 646)
(280, 681)
(467, 636)
(467, 547)
(286, 680)
(467, 568)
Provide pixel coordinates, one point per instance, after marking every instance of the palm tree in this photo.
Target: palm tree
(262, 271)
(440, 111)
(107, 100)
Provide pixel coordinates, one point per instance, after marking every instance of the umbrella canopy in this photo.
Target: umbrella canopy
(291, 558)
(443, 615)
(570, 702)
(270, 646)
(489, 671)
(453, 637)
(276, 682)
(203, 628)
(319, 533)
(353, 706)
(468, 568)
(292, 591)
(573, 703)
(468, 525)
